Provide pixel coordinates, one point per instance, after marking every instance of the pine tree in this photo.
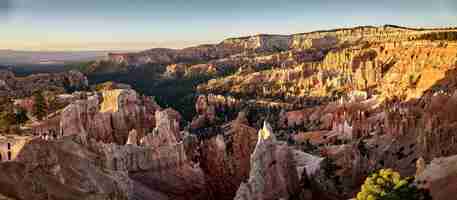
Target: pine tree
(39, 106)
(21, 116)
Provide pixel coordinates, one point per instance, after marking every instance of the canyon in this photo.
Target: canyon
(301, 117)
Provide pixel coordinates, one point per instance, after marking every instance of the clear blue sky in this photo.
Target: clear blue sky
(141, 24)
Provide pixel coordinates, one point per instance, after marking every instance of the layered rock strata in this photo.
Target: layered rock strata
(273, 173)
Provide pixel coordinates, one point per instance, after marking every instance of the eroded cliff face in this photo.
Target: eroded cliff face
(89, 164)
(348, 102)
(260, 43)
(264, 43)
(109, 116)
(378, 69)
(72, 169)
(61, 170)
(273, 173)
(225, 158)
(166, 132)
(439, 177)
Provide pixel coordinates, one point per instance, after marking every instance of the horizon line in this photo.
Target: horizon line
(158, 45)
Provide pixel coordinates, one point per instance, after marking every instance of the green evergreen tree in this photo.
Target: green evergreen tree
(39, 106)
(21, 116)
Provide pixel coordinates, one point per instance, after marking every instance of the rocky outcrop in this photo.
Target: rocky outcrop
(225, 158)
(175, 70)
(60, 170)
(109, 116)
(273, 173)
(439, 177)
(243, 138)
(165, 134)
(71, 168)
(260, 42)
(206, 113)
(362, 99)
(180, 184)
(264, 43)
(133, 137)
(111, 85)
(218, 168)
(90, 162)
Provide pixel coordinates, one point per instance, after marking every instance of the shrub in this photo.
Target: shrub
(413, 79)
(387, 184)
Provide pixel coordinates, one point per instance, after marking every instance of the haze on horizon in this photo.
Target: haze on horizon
(142, 24)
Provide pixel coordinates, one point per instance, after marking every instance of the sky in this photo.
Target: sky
(143, 24)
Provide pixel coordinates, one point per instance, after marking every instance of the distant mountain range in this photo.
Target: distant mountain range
(13, 57)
